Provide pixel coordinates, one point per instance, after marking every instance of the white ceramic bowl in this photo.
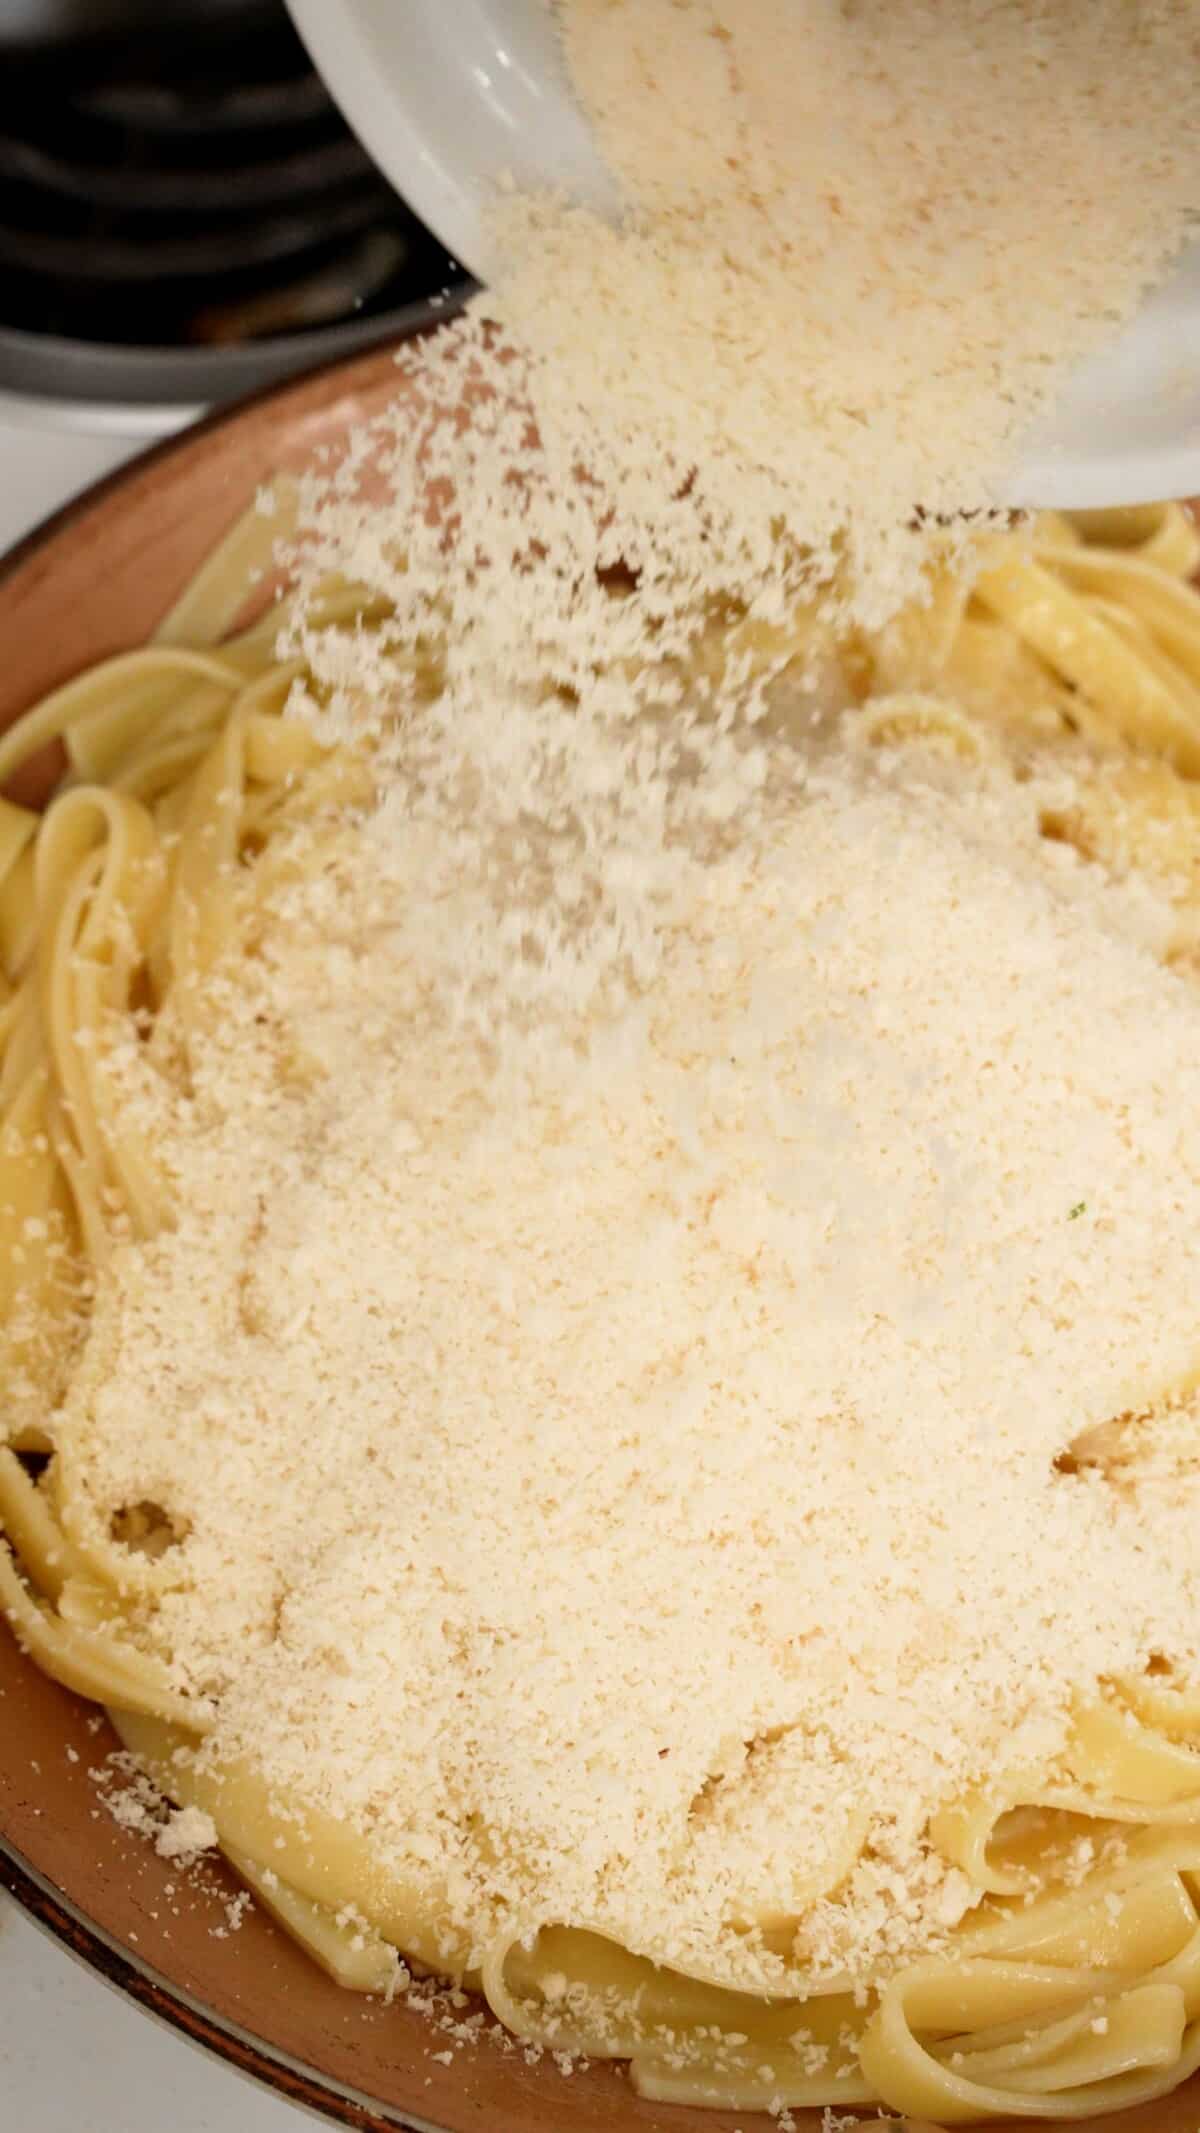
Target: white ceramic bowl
(450, 94)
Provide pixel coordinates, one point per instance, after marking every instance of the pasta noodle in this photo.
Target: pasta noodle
(1056, 1996)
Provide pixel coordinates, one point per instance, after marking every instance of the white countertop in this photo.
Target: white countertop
(77, 2058)
(48, 453)
(74, 2056)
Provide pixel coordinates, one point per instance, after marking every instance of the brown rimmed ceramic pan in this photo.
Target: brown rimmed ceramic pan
(93, 581)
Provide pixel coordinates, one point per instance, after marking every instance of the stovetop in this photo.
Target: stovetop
(184, 214)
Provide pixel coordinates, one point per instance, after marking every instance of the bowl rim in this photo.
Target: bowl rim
(428, 318)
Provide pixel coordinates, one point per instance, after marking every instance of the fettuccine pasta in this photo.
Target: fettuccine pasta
(1071, 1986)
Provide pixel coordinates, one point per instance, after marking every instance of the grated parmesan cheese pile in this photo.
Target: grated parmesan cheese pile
(618, 1470)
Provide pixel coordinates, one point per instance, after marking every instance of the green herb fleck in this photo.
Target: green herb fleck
(1080, 1208)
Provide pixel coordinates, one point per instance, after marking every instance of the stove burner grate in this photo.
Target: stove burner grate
(194, 193)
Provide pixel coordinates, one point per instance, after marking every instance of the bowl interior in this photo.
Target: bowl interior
(95, 581)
